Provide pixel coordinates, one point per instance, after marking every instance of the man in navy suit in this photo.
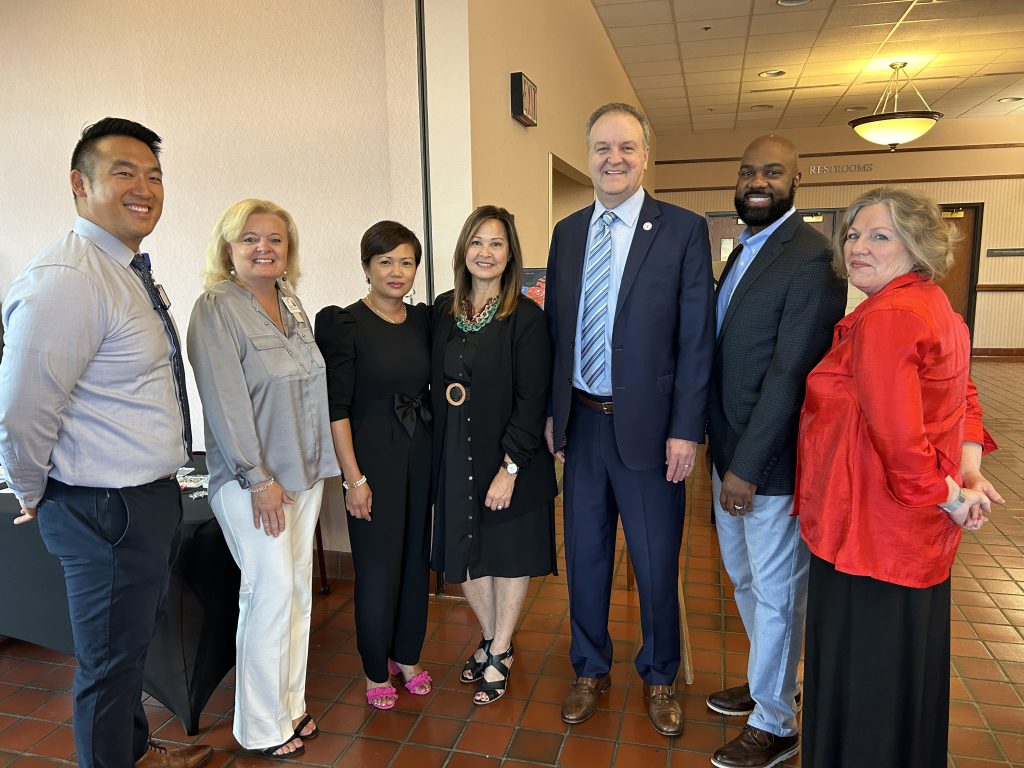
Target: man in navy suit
(778, 301)
(631, 309)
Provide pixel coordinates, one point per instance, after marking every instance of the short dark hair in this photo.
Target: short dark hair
(384, 237)
(83, 158)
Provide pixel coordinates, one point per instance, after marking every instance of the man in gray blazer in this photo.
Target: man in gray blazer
(778, 300)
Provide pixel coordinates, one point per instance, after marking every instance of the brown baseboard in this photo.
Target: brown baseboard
(999, 352)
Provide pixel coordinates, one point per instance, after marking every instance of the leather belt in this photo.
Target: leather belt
(601, 406)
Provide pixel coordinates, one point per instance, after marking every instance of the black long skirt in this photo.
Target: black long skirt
(876, 672)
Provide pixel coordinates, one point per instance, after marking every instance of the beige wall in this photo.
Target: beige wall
(312, 103)
(947, 164)
(563, 48)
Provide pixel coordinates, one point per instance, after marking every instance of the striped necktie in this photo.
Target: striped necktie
(141, 266)
(596, 287)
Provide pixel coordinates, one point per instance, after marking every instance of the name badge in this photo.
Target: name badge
(165, 301)
(293, 306)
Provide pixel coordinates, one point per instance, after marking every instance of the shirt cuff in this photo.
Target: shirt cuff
(254, 476)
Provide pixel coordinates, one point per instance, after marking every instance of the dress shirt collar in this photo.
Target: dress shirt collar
(628, 211)
(107, 243)
(755, 241)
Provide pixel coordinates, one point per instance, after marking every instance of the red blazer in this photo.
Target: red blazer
(885, 417)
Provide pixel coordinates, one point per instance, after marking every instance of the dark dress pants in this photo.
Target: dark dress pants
(599, 488)
(115, 546)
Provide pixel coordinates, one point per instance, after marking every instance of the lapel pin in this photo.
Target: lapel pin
(648, 226)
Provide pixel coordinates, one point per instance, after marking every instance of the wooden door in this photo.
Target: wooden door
(960, 283)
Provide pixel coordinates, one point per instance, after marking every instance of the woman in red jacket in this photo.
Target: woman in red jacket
(889, 474)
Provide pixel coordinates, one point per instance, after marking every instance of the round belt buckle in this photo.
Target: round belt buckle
(455, 394)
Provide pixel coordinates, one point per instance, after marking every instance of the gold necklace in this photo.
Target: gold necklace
(368, 301)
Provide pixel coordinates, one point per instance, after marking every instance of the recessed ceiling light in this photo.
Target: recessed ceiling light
(856, 109)
(761, 107)
(772, 73)
(792, 3)
(1008, 99)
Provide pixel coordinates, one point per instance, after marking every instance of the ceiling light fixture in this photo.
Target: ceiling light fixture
(1009, 99)
(772, 73)
(791, 3)
(761, 107)
(894, 126)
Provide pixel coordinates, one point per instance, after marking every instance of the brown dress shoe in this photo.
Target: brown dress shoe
(663, 709)
(732, 701)
(581, 701)
(738, 701)
(755, 748)
(158, 756)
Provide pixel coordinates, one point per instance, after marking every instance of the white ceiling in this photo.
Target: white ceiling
(695, 63)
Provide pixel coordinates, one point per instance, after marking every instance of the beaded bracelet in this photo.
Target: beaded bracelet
(349, 486)
(254, 489)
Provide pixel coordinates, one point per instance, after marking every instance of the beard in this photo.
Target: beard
(762, 217)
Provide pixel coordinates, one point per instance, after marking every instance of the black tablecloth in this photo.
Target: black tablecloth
(194, 644)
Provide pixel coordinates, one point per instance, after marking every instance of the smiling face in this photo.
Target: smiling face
(391, 274)
(617, 157)
(124, 193)
(259, 255)
(767, 182)
(873, 252)
(487, 253)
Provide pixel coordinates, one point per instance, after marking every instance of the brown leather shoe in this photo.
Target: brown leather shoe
(732, 701)
(581, 701)
(158, 756)
(755, 748)
(663, 709)
(738, 701)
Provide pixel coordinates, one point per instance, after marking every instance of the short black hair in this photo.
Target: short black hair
(83, 158)
(384, 237)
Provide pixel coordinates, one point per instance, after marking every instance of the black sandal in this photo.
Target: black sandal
(269, 751)
(474, 668)
(306, 720)
(495, 690)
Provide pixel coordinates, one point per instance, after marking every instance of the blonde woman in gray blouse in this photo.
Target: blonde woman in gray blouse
(260, 374)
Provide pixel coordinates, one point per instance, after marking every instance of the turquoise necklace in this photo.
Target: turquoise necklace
(471, 324)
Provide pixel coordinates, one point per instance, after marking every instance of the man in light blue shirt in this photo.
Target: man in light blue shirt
(92, 431)
(777, 303)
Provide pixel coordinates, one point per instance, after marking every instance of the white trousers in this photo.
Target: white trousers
(274, 604)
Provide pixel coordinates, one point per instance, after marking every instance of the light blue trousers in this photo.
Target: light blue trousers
(767, 562)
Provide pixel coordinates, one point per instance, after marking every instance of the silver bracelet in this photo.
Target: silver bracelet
(349, 486)
(254, 489)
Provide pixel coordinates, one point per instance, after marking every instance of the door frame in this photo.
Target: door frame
(972, 273)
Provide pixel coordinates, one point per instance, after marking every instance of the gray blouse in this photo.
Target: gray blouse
(264, 392)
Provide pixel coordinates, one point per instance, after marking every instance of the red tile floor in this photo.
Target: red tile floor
(524, 728)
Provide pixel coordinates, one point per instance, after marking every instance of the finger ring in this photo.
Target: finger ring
(737, 506)
(499, 506)
(686, 466)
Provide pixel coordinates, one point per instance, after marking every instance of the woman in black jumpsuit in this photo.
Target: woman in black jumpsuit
(377, 352)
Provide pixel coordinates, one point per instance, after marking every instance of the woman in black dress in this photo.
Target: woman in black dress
(495, 481)
(377, 352)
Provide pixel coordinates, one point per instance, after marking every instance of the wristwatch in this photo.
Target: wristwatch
(511, 467)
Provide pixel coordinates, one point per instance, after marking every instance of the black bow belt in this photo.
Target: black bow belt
(407, 409)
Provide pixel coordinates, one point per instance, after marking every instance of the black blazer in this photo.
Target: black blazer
(777, 327)
(509, 394)
(663, 334)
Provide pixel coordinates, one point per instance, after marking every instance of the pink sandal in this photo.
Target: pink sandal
(386, 692)
(418, 680)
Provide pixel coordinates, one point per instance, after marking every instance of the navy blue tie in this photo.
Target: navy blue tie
(141, 265)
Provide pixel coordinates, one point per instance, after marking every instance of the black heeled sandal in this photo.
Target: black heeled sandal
(496, 689)
(474, 668)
